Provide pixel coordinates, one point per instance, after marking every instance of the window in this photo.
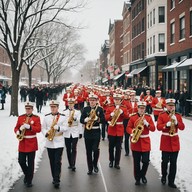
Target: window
(153, 43)
(161, 42)
(143, 25)
(150, 45)
(150, 19)
(172, 4)
(143, 50)
(172, 35)
(161, 14)
(191, 23)
(153, 16)
(182, 28)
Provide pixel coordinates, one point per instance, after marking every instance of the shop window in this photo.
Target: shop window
(161, 42)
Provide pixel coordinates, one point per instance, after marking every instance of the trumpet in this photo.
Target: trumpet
(138, 130)
(20, 137)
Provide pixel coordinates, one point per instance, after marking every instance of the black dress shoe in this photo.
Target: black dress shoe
(163, 180)
(69, 167)
(56, 185)
(126, 154)
(117, 166)
(111, 164)
(172, 185)
(96, 170)
(73, 168)
(25, 180)
(137, 182)
(144, 180)
(89, 173)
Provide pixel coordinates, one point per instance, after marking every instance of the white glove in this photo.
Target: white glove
(175, 119)
(17, 133)
(145, 122)
(112, 114)
(165, 109)
(168, 124)
(21, 128)
(96, 118)
(56, 127)
(86, 119)
(117, 106)
(75, 118)
(27, 126)
(121, 111)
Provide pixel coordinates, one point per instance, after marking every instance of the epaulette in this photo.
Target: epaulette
(48, 114)
(23, 114)
(62, 114)
(177, 113)
(132, 114)
(147, 114)
(123, 106)
(35, 115)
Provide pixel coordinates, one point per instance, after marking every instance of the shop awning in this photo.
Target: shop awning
(130, 75)
(185, 64)
(139, 70)
(172, 67)
(104, 80)
(118, 76)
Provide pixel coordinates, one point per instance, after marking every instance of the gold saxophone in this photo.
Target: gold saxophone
(116, 115)
(20, 137)
(71, 118)
(172, 127)
(159, 104)
(92, 117)
(138, 130)
(148, 99)
(51, 133)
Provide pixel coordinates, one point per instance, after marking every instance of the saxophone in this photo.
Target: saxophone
(172, 127)
(20, 137)
(116, 115)
(138, 130)
(51, 133)
(92, 117)
(159, 104)
(71, 118)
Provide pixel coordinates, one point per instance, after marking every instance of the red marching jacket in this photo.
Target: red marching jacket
(168, 143)
(29, 144)
(144, 143)
(118, 128)
(157, 111)
(133, 108)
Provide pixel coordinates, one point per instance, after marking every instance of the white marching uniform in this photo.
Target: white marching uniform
(76, 127)
(58, 139)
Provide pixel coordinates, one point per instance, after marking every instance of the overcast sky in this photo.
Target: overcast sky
(96, 18)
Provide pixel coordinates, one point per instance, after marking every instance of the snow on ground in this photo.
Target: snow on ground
(10, 170)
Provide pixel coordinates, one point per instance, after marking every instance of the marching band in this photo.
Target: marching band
(94, 112)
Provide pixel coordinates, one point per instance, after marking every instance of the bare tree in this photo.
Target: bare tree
(18, 16)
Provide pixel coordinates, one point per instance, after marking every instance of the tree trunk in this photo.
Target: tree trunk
(14, 94)
(48, 78)
(30, 77)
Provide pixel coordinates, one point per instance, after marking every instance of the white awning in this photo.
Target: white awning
(172, 66)
(131, 73)
(4, 78)
(118, 76)
(186, 63)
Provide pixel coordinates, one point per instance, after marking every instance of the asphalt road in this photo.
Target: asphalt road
(107, 180)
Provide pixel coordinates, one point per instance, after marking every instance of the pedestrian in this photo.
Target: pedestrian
(23, 93)
(116, 113)
(73, 132)
(92, 116)
(39, 99)
(139, 126)
(169, 123)
(26, 128)
(53, 128)
(31, 93)
(3, 92)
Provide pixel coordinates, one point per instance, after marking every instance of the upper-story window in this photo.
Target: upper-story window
(161, 14)
(172, 4)
(190, 22)
(182, 27)
(161, 42)
(172, 31)
(153, 16)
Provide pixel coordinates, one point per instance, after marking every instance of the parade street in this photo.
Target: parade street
(107, 180)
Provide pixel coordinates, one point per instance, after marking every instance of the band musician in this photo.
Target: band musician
(92, 116)
(115, 114)
(73, 132)
(53, 128)
(26, 128)
(169, 122)
(139, 126)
